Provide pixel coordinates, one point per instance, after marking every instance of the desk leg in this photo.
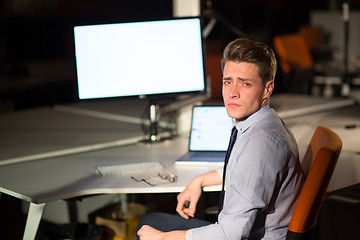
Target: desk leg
(124, 202)
(33, 220)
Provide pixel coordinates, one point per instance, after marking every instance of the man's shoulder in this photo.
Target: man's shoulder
(269, 124)
(271, 127)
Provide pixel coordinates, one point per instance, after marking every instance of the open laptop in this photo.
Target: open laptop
(209, 136)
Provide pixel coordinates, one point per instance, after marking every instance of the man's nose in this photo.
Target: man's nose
(233, 91)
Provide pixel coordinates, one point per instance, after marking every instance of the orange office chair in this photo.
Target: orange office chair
(317, 40)
(295, 61)
(320, 159)
(293, 52)
(313, 36)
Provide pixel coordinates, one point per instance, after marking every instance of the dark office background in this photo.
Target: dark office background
(36, 65)
(36, 58)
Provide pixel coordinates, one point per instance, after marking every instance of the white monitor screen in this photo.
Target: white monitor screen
(139, 58)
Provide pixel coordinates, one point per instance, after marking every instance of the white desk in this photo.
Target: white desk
(52, 151)
(73, 176)
(46, 132)
(347, 171)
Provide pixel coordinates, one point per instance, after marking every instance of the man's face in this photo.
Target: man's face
(243, 91)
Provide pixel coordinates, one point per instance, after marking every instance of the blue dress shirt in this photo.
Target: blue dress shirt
(263, 181)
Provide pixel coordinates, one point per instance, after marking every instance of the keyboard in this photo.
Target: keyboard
(129, 169)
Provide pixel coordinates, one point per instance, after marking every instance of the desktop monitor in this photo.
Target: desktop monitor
(157, 60)
(145, 59)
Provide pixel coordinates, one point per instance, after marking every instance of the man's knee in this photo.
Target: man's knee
(145, 220)
(153, 219)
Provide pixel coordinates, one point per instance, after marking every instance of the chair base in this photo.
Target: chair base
(308, 235)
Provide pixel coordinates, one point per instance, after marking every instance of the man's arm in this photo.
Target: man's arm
(193, 191)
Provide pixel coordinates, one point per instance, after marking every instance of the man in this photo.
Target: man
(263, 174)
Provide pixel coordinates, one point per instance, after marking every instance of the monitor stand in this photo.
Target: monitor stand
(154, 123)
(160, 117)
(154, 129)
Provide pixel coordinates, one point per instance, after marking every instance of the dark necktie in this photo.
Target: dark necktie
(227, 156)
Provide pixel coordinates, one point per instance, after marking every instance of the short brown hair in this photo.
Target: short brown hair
(246, 50)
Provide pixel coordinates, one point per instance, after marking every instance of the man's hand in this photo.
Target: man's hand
(193, 191)
(149, 233)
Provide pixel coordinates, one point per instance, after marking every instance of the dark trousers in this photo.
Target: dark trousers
(168, 222)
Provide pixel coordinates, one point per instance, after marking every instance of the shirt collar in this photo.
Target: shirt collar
(244, 125)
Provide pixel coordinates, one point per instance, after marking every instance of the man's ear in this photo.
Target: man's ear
(269, 88)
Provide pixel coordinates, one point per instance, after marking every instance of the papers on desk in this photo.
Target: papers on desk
(161, 177)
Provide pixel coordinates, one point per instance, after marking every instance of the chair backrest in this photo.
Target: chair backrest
(322, 154)
(313, 36)
(293, 52)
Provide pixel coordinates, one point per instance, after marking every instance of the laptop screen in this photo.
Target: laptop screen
(210, 129)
